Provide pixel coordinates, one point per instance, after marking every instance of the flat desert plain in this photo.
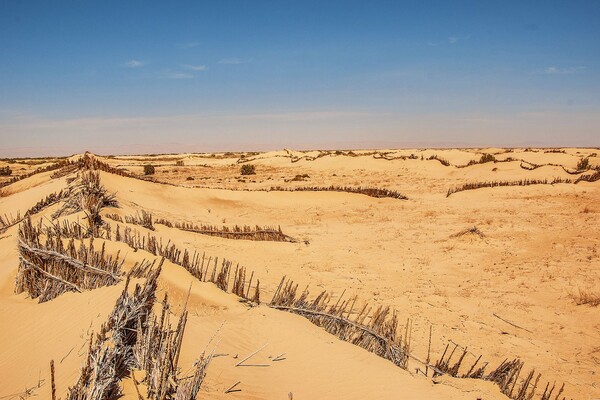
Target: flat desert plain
(384, 274)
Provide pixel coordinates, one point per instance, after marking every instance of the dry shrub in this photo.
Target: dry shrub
(142, 219)
(47, 270)
(443, 161)
(593, 177)
(469, 231)
(5, 171)
(132, 338)
(248, 169)
(586, 297)
(368, 191)
(88, 195)
(583, 164)
(149, 169)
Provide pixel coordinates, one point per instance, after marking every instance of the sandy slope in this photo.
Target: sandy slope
(540, 245)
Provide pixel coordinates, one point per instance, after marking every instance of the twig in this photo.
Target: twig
(76, 263)
(135, 384)
(52, 379)
(49, 275)
(231, 388)
(63, 359)
(510, 323)
(251, 355)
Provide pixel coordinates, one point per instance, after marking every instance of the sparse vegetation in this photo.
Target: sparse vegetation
(248, 169)
(586, 297)
(235, 232)
(179, 163)
(149, 169)
(491, 184)
(593, 177)
(134, 338)
(51, 167)
(583, 164)
(368, 191)
(469, 231)
(48, 270)
(299, 178)
(443, 161)
(142, 219)
(88, 195)
(5, 171)
(485, 158)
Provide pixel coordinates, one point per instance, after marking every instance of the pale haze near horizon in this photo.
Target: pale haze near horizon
(149, 77)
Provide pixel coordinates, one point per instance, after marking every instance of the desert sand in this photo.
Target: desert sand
(496, 270)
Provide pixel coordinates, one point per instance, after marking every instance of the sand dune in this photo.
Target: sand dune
(504, 290)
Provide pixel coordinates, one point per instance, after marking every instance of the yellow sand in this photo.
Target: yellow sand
(541, 245)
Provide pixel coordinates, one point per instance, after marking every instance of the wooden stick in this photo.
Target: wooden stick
(231, 388)
(510, 323)
(428, 351)
(49, 275)
(250, 356)
(52, 380)
(76, 263)
(135, 384)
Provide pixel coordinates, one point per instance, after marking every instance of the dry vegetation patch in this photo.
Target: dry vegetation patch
(368, 191)
(236, 232)
(492, 184)
(588, 297)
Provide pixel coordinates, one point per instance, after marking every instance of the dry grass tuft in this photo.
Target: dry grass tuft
(142, 219)
(88, 195)
(469, 231)
(586, 297)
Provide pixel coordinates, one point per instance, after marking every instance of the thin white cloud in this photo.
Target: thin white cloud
(563, 71)
(195, 67)
(189, 45)
(179, 75)
(232, 61)
(134, 64)
(456, 39)
(28, 121)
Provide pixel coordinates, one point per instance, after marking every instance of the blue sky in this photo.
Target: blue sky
(127, 76)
